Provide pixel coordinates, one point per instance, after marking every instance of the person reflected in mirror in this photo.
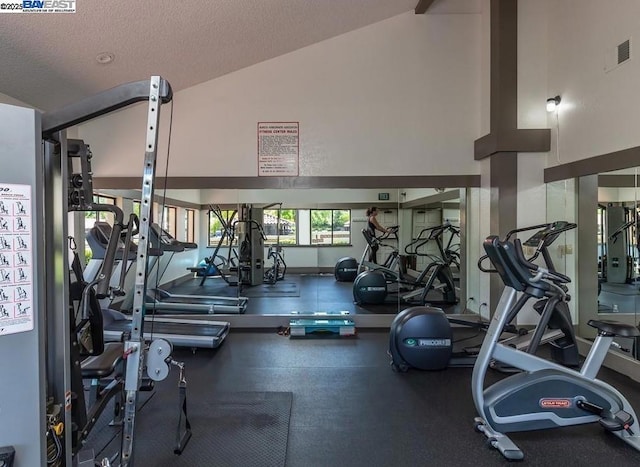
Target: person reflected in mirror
(373, 225)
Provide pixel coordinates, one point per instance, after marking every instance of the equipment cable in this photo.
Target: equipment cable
(162, 204)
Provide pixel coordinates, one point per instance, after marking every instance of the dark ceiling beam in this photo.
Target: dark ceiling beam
(424, 181)
(505, 136)
(423, 6)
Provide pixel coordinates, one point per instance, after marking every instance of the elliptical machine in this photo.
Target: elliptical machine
(372, 286)
(422, 337)
(371, 283)
(544, 395)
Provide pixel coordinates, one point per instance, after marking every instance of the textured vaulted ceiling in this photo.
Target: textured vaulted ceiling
(49, 60)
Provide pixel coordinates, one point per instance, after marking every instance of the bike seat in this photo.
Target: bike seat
(614, 327)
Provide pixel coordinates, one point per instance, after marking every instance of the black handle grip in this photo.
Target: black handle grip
(131, 231)
(482, 268)
(554, 275)
(102, 290)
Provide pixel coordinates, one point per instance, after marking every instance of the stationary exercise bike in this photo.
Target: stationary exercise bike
(544, 395)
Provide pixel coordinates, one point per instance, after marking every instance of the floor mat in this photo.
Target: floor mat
(283, 288)
(229, 429)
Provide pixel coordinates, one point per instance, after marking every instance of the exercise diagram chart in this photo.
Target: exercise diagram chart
(278, 149)
(16, 259)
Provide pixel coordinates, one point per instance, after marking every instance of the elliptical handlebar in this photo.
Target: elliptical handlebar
(614, 236)
(546, 235)
(393, 230)
(482, 268)
(524, 229)
(434, 232)
(547, 273)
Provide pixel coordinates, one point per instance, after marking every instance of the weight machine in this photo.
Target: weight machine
(249, 237)
(37, 173)
(278, 267)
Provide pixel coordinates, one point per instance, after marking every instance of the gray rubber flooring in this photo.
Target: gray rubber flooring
(350, 409)
(306, 293)
(624, 297)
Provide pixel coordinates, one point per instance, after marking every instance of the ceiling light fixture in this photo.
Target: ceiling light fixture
(105, 57)
(553, 103)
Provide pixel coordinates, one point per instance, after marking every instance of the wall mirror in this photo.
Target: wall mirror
(275, 251)
(604, 261)
(617, 249)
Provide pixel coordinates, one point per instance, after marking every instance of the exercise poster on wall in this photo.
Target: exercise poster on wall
(16, 259)
(278, 149)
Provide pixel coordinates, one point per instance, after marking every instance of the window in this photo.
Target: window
(330, 226)
(169, 218)
(287, 223)
(136, 208)
(189, 225)
(323, 227)
(102, 216)
(216, 227)
(91, 217)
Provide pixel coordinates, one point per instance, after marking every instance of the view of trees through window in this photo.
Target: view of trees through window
(216, 228)
(330, 227)
(297, 226)
(287, 222)
(91, 217)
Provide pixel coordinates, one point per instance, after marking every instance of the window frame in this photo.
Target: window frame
(332, 230)
(169, 219)
(190, 225)
(212, 241)
(296, 223)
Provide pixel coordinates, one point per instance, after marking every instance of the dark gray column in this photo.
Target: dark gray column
(587, 265)
(503, 210)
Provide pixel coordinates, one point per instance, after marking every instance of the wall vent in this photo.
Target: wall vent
(617, 55)
(624, 51)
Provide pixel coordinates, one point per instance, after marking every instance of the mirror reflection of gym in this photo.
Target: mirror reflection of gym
(618, 258)
(276, 251)
(618, 254)
(609, 216)
(420, 263)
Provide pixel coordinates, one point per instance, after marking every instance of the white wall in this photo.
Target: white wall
(599, 110)
(613, 195)
(190, 196)
(399, 97)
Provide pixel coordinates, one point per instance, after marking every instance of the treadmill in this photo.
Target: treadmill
(159, 301)
(180, 333)
(162, 301)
